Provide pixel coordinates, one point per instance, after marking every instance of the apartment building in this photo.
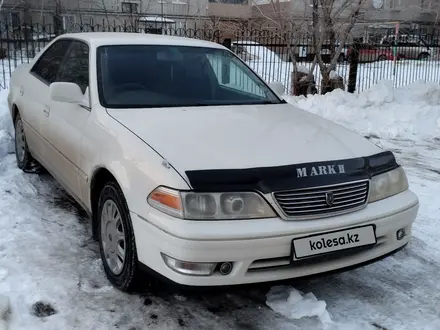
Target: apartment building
(373, 13)
(144, 13)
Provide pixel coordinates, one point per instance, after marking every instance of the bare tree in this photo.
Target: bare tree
(58, 18)
(290, 25)
(332, 23)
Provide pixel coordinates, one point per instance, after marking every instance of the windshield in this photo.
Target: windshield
(145, 76)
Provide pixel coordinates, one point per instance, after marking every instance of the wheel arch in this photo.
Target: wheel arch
(14, 112)
(100, 177)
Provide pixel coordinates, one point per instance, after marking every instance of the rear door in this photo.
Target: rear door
(35, 96)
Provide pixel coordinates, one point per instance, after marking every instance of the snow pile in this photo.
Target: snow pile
(334, 75)
(6, 127)
(4, 307)
(291, 303)
(410, 112)
(303, 69)
(262, 53)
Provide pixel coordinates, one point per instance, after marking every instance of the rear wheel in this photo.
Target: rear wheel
(116, 238)
(23, 156)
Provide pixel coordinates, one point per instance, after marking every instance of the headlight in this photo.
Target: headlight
(210, 206)
(388, 184)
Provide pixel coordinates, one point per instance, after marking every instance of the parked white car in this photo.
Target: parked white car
(189, 164)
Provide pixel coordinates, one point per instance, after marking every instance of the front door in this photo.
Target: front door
(67, 121)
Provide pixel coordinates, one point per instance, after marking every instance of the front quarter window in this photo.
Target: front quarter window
(146, 76)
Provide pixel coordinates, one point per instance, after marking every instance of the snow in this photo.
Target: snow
(4, 308)
(411, 112)
(48, 258)
(262, 53)
(303, 69)
(293, 304)
(334, 75)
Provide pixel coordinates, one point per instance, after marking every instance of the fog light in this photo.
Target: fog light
(189, 268)
(225, 268)
(400, 234)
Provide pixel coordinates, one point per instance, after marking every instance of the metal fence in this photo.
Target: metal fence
(412, 58)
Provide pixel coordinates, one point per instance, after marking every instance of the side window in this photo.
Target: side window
(75, 67)
(49, 63)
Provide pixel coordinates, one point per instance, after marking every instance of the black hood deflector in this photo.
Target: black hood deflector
(286, 177)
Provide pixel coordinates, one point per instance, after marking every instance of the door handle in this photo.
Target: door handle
(46, 111)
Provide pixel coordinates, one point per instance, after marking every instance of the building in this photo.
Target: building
(374, 14)
(73, 14)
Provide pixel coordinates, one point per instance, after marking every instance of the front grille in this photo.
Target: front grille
(312, 202)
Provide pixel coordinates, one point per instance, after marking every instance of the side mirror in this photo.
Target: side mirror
(277, 87)
(67, 92)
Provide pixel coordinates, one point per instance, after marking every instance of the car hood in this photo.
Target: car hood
(245, 136)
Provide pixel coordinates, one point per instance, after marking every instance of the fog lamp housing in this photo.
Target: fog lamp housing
(189, 268)
(400, 234)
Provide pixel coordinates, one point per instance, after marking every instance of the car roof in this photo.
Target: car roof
(96, 39)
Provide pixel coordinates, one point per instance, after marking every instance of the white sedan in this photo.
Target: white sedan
(192, 167)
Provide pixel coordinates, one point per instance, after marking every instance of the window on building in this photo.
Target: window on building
(394, 4)
(87, 20)
(130, 7)
(11, 19)
(426, 4)
(15, 19)
(68, 22)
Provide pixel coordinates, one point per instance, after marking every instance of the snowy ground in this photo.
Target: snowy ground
(49, 265)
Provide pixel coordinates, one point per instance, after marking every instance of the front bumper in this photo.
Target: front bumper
(260, 249)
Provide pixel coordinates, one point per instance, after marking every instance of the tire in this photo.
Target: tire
(22, 154)
(423, 56)
(382, 58)
(121, 274)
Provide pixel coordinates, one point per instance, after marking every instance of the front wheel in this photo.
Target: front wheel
(116, 238)
(22, 154)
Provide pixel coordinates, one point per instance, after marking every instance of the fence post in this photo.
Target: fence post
(353, 67)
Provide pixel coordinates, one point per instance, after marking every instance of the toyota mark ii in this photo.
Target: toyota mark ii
(191, 165)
